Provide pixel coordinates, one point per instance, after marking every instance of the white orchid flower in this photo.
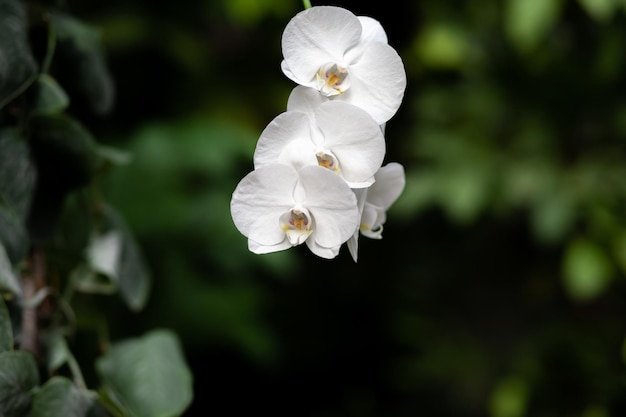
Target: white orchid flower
(345, 58)
(336, 135)
(390, 181)
(277, 207)
(373, 203)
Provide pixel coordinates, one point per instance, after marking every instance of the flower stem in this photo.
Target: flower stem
(307, 4)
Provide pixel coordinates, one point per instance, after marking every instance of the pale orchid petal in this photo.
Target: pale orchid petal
(258, 201)
(353, 242)
(372, 30)
(259, 249)
(305, 99)
(378, 82)
(354, 138)
(289, 74)
(372, 220)
(287, 140)
(332, 205)
(317, 36)
(390, 181)
(322, 252)
(353, 246)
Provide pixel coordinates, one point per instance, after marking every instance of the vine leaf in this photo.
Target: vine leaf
(18, 377)
(18, 68)
(147, 376)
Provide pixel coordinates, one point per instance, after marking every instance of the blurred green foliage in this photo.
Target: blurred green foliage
(498, 289)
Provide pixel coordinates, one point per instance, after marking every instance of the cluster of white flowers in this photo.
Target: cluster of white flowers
(318, 176)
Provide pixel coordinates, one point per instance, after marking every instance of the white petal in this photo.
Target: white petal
(258, 201)
(317, 36)
(354, 138)
(353, 246)
(372, 30)
(390, 181)
(286, 140)
(321, 251)
(353, 242)
(332, 205)
(305, 99)
(378, 82)
(289, 74)
(259, 249)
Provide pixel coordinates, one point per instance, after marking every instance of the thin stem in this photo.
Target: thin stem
(307, 4)
(32, 280)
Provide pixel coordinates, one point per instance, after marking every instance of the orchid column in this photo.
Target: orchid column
(318, 165)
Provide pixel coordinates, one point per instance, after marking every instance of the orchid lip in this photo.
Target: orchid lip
(332, 79)
(297, 225)
(327, 160)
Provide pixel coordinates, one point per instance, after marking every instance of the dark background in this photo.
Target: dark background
(498, 288)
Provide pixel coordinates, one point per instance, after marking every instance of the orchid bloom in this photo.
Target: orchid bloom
(277, 207)
(373, 203)
(381, 195)
(336, 135)
(345, 58)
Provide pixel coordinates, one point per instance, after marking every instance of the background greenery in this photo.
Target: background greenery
(498, 289)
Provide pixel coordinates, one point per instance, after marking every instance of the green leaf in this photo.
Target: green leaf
(8, 278)
(13, 235)
(148, 376)
(65, 155)
(509, 398)
(60, 397)
(619, 249)
(6, 332)
(18, 68)
(64, 151)
(445, 46)
(114, 156)
(89, 281)
(47, 96)
(57, 350)
(104, 253)
(527, 22)
(600, 10)
(133, 277)
(17, 172)
(587, 270)
(18, 377)
(80, 62)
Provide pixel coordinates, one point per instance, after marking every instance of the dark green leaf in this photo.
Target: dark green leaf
(148, 375)
(75, 227)
(133, 277)
(6, 333)
(47, 96)
(60, 397)
(13, 235)
(64, 151)
(18, 376)
(17, 65)
(17, 172)
(8, 278)
(81, 64)
(64, 156)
